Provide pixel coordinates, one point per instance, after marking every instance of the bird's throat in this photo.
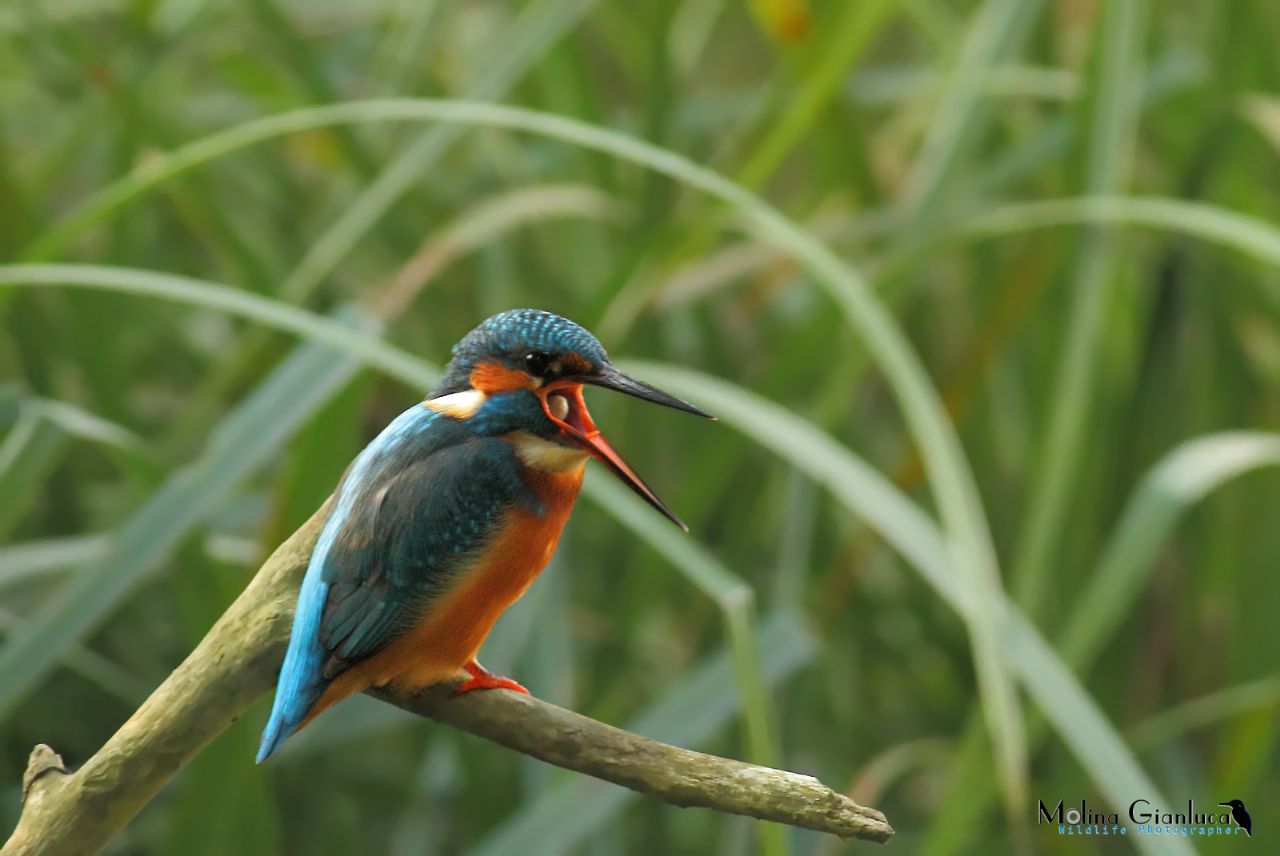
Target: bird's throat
(545, 455)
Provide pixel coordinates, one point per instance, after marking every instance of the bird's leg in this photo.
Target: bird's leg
(483, 679)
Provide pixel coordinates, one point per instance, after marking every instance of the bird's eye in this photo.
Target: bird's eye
(536, 363)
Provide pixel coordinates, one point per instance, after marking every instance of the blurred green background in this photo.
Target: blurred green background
(1052, 221)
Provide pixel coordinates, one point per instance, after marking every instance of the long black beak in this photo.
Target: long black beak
(611, 378)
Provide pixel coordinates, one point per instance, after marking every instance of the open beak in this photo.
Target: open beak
(563, 404)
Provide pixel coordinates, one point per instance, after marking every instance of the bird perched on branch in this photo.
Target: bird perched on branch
(444, 520)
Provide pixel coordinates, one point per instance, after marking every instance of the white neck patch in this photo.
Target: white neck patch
(459, 405)
(547, 456)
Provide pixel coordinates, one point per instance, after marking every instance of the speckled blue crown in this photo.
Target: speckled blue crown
(508, 336)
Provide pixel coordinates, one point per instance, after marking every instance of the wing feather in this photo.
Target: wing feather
(395, 555)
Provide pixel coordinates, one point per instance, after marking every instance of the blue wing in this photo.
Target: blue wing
(420, 498)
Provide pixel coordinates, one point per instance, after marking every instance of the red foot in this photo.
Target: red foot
(482, 679)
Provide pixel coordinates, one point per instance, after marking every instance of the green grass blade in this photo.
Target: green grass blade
(37, 558)
(890, 85)
(1200, 220)
(29, 451)
(1207, 710)
(485, 222)
(1112, 139)
(405, 43)
(108, 676)
(995, 34)
(1263, 112)
(78, 422)
(852, 32)
(223, 298)
(1179, 480)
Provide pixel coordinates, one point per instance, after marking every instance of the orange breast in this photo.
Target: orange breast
(455, 626)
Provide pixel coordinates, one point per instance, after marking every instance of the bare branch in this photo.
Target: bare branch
(235, 664)
(679, 776)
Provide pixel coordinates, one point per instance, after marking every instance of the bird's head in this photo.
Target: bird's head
(522, 372)
(1232, 804)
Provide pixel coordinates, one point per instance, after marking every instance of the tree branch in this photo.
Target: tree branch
(236, 663)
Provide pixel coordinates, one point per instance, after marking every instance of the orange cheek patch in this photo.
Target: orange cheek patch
(493, 377)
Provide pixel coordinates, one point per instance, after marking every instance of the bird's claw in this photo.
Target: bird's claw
(482, 679)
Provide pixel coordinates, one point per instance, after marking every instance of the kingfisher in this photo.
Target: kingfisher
(447, 516)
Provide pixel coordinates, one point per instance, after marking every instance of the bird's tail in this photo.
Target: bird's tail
(290, 710)
(278, 728)
(301, 683)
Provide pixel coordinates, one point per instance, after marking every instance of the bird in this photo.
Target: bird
(1240, 816)
(448, 515)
